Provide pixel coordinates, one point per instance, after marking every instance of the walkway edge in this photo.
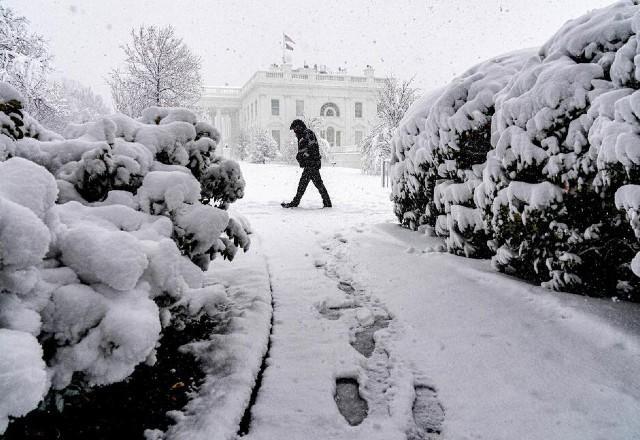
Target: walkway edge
(234, 360)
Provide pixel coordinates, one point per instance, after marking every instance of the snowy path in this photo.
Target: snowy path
(308, 351)
(503, 359)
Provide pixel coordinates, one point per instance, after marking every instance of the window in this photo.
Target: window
(275, 134)
(338, 136)
(299, 107)
(323, 134)
(329, 107)
(358, 109)
(331, 136)
(358, 137)
(275, 107)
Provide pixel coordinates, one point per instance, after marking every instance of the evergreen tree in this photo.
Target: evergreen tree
(263, 147)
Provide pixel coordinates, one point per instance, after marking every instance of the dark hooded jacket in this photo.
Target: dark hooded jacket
(308, 149)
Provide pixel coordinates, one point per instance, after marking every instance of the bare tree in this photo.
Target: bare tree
(394, 99)
(159, 70)
(81, 104)
(86, 104)
(25, 63)
(312, 123)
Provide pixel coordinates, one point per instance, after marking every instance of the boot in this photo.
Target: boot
(289, 204)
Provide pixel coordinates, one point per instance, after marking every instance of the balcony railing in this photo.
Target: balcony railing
(321, 77)
(222, 91)
(277, 76)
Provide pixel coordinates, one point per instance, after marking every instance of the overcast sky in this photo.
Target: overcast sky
(431, 39)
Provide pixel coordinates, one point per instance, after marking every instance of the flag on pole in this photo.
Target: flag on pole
(287, 44)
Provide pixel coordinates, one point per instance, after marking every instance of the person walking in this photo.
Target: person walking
(309, 159)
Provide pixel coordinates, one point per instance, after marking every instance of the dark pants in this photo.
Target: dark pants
(313, 175)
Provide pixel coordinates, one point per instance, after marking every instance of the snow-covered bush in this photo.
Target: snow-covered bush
(12, 122)
(103, 236)
(537, 155)
(456, 141)
(262, 147)
(565, 134)
(222, 183)
(444, 140)
(290, 149)
(628, 199)
(412, 181)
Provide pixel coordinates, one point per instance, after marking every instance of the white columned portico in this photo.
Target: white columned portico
(217, 120)
(271, 99)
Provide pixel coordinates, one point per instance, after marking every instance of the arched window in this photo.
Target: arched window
(329, 109)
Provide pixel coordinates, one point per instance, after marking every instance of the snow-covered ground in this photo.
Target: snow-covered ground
(466, 351)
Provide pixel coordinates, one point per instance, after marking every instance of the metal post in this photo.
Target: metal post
(386, 179)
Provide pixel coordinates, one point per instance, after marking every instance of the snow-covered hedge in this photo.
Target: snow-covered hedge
(439, 153)
(104, 232)
(554, 200)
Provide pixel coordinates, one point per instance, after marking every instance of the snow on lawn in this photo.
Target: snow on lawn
(460, 349)
(508, 360)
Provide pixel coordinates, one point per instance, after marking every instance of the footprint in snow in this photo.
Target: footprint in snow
(340, 238)
(334, 312)
(428, 415)
(427, 411)
(346, 287)
(350, 404)
(364, 341)
(331, 314)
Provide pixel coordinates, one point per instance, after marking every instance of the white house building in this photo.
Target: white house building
(344, 104)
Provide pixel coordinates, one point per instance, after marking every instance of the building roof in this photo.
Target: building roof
(285, 74)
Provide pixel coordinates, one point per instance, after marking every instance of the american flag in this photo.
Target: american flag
(288, 42)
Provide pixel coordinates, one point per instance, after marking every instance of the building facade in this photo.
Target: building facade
(344, 105)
